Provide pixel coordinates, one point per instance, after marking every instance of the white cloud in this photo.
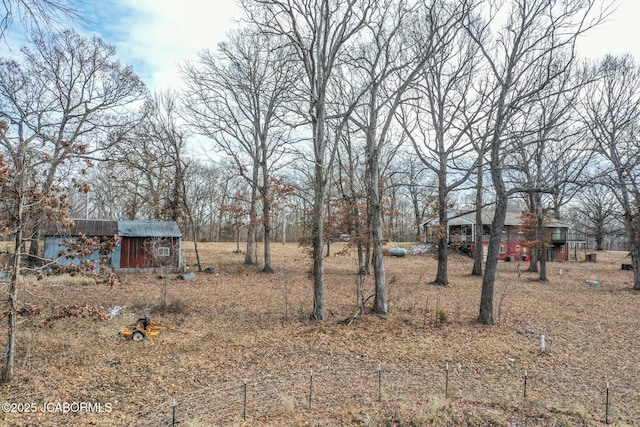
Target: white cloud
(617, 35)
(154, 36)
(157, 35)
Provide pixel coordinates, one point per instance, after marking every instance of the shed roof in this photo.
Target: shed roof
(102, 227)
(148, 229)
(88, 227)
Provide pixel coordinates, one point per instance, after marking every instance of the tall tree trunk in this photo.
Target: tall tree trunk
(541, 239)
(266, 211)
(533, 258)
(534, 202)
(491, 266)
(381, 304)
(479, 249)
(635, 260)
(319, 189)
(318, 247)
(486, 299)
(362, 268)
(599, 237)
(418, 218)
(632, 226)
(9, 369)
(266, 208)
(379, 274)
(443, 244)
(249, 257)
(327, 254)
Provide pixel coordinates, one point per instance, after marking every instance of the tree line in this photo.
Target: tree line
(321, 119)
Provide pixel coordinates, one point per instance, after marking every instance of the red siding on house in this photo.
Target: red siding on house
(561, 252)
(516, 250)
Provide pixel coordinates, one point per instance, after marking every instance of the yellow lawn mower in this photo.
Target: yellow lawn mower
(144, 328)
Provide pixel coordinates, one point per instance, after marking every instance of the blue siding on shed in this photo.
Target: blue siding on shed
(55, 245)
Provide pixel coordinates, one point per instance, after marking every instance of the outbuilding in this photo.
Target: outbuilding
(559, 236)
(145, 246)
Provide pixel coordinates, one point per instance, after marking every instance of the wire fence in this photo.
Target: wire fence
(565, 391)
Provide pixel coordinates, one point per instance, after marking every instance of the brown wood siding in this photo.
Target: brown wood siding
(132, 252)
(142, 252)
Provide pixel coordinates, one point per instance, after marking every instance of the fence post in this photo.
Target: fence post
(311, 390)
(379, 382)
(244, 410)
(173, 413)
(525, 388)
(606, 409)
(446, 383)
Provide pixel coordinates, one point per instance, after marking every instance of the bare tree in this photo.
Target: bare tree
(444, 108)
(611, 112)
(548, 157)
(144, 167)
(14, 200)
(418, 188)
(39, 15)
(597, 212)
(22, 204)
(71, 99)
(204, 187)
(238, 100)
(389, 63)
(352, 196)
(161, 124)
(533, 48)
(318, 31)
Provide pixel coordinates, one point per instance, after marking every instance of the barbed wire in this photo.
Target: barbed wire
(558, 390)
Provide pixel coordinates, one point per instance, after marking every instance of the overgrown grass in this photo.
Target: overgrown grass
(69, 280)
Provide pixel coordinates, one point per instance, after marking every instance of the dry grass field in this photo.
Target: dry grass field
(437, 365)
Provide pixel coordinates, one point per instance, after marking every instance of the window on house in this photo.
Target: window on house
(163, 251)
(503, 249)
(562, 249)
(518, 248)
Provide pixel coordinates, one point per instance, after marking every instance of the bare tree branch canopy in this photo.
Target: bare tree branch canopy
(237, 98)
(533, 48)
(319, 32)
(70, 100)
(38, 15)
(611, 112)
(443, 109)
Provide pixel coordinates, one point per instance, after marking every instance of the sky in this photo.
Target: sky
(155, 36)
(620, 34)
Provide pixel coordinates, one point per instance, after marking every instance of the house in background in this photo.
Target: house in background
(462, 234)
(145, 246)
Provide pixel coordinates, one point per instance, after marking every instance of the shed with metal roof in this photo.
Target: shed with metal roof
(144, 245)
(149, 245)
